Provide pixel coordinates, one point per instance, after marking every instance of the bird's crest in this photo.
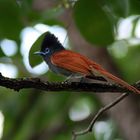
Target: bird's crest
(50, 40)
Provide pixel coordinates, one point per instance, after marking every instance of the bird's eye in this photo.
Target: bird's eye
(47, 50)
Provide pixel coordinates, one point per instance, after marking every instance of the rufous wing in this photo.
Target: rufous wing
(70, 61)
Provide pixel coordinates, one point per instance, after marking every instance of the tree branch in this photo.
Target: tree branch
(36, 83)
(99, 113)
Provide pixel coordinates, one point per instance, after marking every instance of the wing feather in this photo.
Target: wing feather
(71, 61)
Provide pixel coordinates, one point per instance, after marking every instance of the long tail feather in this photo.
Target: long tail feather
(119, 81)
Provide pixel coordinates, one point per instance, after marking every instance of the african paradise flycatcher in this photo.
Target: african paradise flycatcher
(67, 63)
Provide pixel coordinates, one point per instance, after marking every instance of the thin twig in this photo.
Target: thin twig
(100, 112)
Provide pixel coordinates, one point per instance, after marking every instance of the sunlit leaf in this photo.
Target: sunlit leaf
(93, 22)
(34, 60)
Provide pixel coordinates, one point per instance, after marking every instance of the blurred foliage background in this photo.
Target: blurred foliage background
(32, 114)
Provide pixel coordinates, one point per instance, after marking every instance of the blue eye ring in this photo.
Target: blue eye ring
(47, 50)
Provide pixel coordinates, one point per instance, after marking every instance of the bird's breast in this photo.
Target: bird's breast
(57, 69)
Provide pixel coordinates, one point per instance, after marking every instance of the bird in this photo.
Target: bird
(72, 64)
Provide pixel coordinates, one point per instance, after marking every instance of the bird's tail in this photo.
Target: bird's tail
(119, 81)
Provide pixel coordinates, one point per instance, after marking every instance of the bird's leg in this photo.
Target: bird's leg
(73, 78)
(68, 79)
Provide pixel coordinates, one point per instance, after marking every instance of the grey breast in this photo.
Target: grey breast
(57, 69)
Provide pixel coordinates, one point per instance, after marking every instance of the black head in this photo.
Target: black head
(51, 41)
(50, 45)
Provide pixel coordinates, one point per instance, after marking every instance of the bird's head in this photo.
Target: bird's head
(50, 45)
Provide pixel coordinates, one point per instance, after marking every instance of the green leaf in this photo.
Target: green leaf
(93, 22)
(1, 52)
(35, 60)
(134, 7)
(10, 20)
(118, 8)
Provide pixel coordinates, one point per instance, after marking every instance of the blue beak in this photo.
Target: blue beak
(39, 53)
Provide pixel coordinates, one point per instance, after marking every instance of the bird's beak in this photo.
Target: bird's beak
(39, 53)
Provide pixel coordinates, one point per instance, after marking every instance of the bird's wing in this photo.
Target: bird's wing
(71, 61)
